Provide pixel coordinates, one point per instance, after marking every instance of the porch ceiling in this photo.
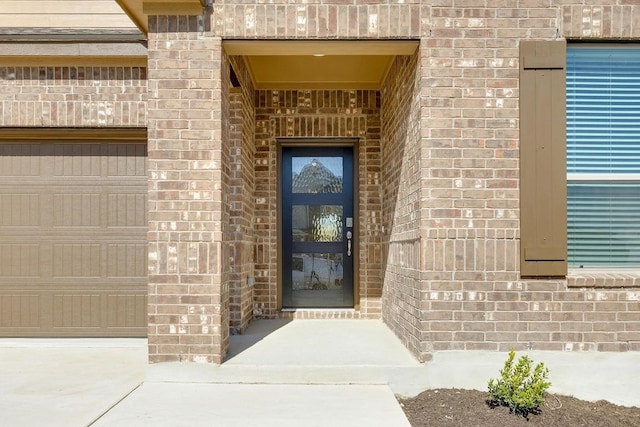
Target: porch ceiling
(319, 64)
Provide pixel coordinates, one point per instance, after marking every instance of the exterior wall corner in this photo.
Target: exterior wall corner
(188, 190)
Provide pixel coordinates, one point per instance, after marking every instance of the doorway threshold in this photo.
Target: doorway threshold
(320, 313)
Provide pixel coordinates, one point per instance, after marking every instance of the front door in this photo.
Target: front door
(317, 227)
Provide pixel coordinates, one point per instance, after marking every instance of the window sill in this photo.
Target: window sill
(581, 278)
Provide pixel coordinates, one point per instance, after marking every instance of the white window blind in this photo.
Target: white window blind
(603, 156)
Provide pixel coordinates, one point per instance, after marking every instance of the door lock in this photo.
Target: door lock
(349, 236)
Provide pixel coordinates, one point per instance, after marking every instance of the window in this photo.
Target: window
(603, 156)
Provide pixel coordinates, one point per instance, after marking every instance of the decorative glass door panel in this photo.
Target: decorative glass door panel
(317, 227)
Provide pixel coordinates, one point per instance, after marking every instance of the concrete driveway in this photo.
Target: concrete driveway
(66, 382)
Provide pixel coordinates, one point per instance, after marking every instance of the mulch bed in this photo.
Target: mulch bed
(455, 407)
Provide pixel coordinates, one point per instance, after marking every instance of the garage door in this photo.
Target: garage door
(73, 224)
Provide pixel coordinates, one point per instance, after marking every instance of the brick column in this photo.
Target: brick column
(188, 289)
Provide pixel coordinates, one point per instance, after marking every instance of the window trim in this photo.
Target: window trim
(599, 278)
(599, 177)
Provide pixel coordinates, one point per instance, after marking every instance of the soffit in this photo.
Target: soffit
(133, 8)
(310, 72)
(319, 64)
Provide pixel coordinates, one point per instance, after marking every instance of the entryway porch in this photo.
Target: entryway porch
(315, 351)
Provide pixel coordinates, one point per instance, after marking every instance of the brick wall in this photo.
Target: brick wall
(470, 203)
(61, 96)
(188, 187)
(472, 296)
(324, 19)
(401, 193)
(446, 260)
(241, 200)
(613, 20)
(222, 193)
(319, 114)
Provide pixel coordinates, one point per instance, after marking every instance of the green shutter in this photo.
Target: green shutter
(543, 177)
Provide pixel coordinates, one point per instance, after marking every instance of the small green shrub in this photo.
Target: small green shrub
(519, 387)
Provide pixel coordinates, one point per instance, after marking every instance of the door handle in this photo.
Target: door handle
(349, 236)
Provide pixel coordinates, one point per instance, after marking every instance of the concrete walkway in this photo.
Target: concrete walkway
(283, 373)
(280, 372)
(242, 405)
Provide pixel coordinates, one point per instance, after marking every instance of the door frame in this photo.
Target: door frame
(328, 142)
